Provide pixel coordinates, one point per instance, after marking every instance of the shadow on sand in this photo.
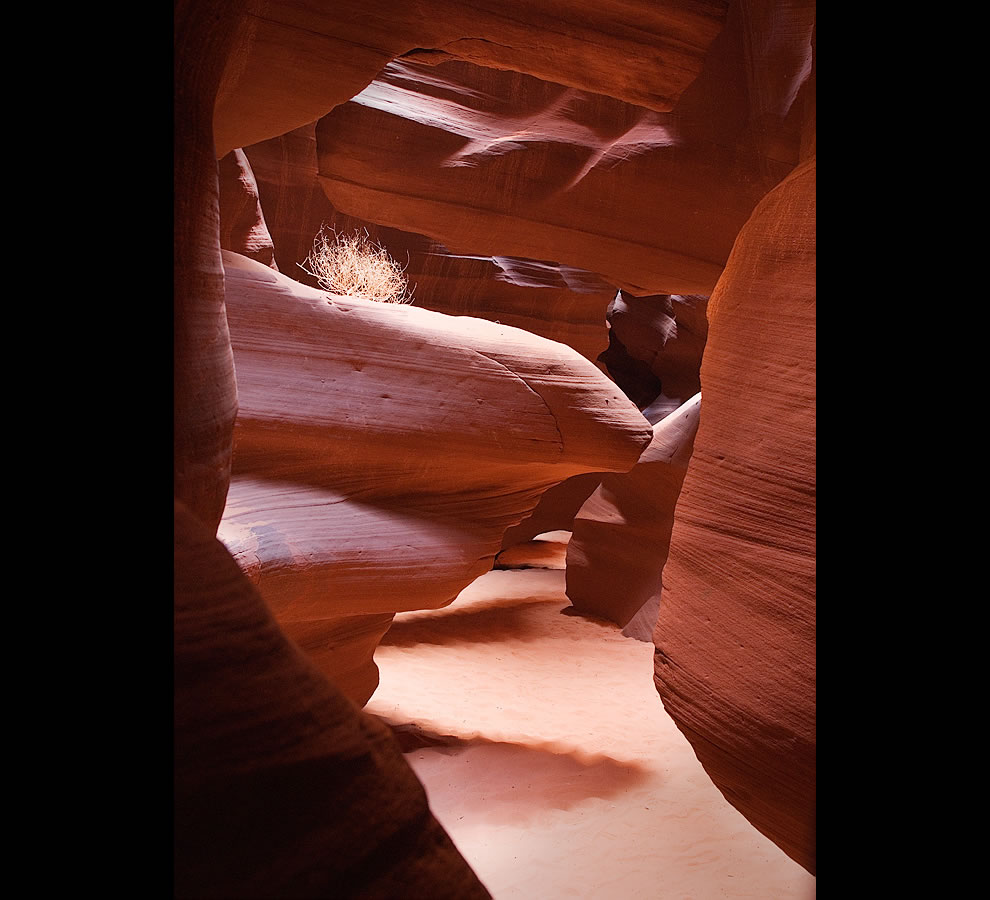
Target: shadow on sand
(525, 619)
(505, 782)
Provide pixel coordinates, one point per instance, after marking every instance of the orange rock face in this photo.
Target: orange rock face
(582, 179)
(497, 162)
(557, 302)
(277, 78)
(556, 509)
(655, 349)
(526, 161)
(204, 388)
(621, 535)
(381, 452)
(735, 638)
(282, 788)
(242, 223)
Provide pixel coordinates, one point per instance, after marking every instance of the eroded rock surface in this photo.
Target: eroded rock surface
(558, 302)
(242, 223)
(203, 384)
(621, 535)
(735, 638)
(576, 43)
(282, 787)
(556, 509)
(655, 349)
(381, 452)
(494, 162)
(648, 187)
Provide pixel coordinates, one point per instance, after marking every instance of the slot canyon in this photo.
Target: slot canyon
(507, 591)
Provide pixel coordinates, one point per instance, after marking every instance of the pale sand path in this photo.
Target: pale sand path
(548, 757)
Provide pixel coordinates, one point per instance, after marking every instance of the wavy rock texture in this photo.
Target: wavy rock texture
(242, 223)
(204, 389)
(655, 349)
(557, 302)
(495, 162)
(386, 449)
(577, 43)
(282, 788)
(654, 356)
(648, 188)
(556, 509)
(295, 206)
(621, 535)
(735, 638)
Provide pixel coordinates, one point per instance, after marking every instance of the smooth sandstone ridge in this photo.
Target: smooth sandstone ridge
(282, 787)
(735, 637)
(381, 451)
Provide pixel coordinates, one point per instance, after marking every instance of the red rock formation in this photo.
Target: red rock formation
(654, 358)
(621, 535)
(735, 638)
(204, 390)
(655, 349)
(557, 302)
(648, 187)
(282, 788)
(548, 551)
(294, 203)
(384, 450)
(242, 223)
(571, 178)
(495, 162)
(556, 509)
(278, 77)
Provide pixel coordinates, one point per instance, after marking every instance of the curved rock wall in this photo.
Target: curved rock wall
(655, 350)
(642, 141)
(735, 638)
(324, 54)
(582, 179)
(557, 302)
(381, 452)
(621, 535)
(283, 788)
(204, 389)
(242, 223)
(495, 162)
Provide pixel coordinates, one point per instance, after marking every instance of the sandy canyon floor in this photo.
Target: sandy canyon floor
(548, 757)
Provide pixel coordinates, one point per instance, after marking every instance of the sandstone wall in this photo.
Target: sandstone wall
(644, 141)
(382, 451)
(282, 788)
(735, 638)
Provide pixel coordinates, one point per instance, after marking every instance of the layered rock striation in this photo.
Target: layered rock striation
(381, 452)
(203, 384)
(558, 302)
(282, 787)
(655, 349)
(489, 161)
(621, 535)
(277, 77)
(520, 152)
(735, 637)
